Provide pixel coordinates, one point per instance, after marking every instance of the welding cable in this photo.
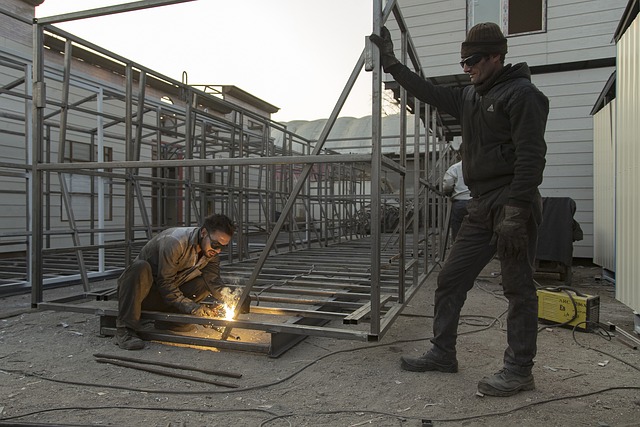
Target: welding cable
(533, 404)
(135, 408)
(355, 411)
(569, 288)
(469, 322)
(191, 392)
(342, 411)
(459, 419)
(605, 335)
(243, 389)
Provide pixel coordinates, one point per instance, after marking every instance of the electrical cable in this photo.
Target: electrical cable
(301, 369)
(457, 419)
(293, 375)
(540, 402)
(606, 336)
(235, 390)
(137, 408)
(354, 411)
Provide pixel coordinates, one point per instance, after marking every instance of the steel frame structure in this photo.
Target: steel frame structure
(301, 247)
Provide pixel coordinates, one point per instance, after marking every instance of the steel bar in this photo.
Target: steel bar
(168, 365)
(270, 327)
(293, 312)
(235, 161)
(107, 10)
(376, 165)
(614, 328)
(37, 157)
(165, 373)
(626, 342)
(194, 341)
(363, 311)
(342, 305)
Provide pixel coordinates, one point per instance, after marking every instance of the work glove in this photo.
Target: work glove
(384, 43)
(188, 306)
(205, 311)
(512, 233)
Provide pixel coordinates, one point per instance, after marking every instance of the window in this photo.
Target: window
(83, 188)
(514, 16)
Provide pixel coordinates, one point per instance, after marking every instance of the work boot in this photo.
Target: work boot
(127, 339)
(173, 326)
(429, 362)
(505, 383)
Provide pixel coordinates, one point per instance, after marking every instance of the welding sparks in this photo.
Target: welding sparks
(229, 311)
(230, 299)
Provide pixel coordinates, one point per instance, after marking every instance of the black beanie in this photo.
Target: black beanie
(484, 38)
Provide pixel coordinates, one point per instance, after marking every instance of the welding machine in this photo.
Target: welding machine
(568, 307)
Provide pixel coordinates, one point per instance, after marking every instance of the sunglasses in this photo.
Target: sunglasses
(472, 60)
(215, 245)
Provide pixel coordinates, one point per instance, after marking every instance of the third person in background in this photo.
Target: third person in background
(453, 186)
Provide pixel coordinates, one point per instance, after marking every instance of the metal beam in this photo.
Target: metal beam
(104, 11)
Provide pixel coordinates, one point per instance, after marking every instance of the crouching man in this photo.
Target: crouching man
(174, 271)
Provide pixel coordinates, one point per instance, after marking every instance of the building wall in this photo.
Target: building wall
(604, 190)
(576, 31)
(17, 35)
(627, 170)
(569, 136)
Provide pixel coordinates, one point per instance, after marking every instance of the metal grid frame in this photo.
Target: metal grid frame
(202, 154)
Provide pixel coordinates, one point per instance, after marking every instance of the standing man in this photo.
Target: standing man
(453, 186)
(173, 272)
(503, 118)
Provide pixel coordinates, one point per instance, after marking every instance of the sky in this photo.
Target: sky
(294, 54)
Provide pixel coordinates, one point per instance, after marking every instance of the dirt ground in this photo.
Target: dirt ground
(49, 375)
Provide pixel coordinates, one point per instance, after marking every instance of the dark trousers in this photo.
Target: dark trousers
(137, 291)
(474, 247)
(458, 212)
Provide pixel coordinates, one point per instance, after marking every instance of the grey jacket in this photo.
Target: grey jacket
(502, 130)
(173, 256)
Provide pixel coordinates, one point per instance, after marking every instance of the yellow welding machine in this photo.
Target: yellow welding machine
(569, 308)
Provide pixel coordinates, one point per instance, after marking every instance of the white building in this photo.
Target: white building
(616, 159)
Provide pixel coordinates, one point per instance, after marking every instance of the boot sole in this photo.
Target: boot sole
(488, 390)
(413, 368)
(136, 345)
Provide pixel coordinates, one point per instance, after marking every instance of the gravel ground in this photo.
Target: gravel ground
(50, 376)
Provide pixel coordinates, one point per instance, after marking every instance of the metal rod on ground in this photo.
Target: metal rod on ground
(165, 373)
(168, 365)
(627, 343)
(626, 334)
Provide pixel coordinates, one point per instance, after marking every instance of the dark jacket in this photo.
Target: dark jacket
(502, 131)
(173, 256)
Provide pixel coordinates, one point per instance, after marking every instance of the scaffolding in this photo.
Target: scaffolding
(115, 152)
